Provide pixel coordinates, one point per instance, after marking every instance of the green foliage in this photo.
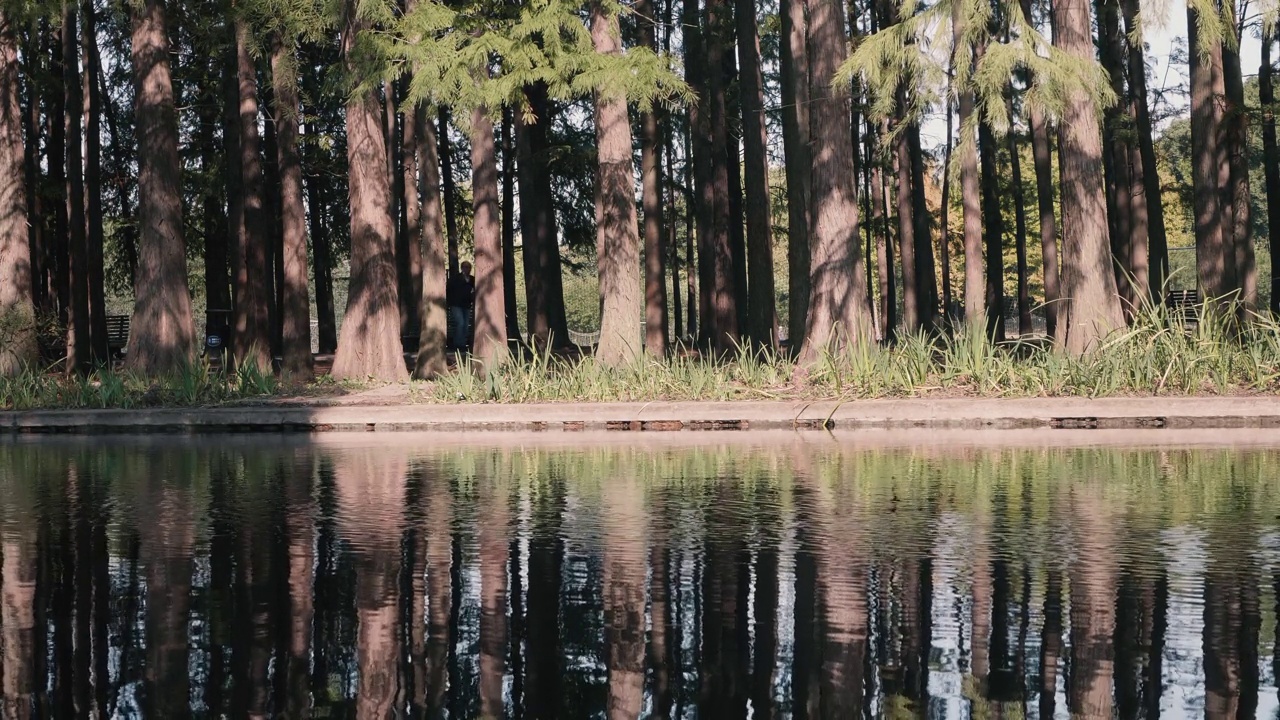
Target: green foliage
(195, 385)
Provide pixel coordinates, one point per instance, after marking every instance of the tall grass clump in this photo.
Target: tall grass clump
(194, 385)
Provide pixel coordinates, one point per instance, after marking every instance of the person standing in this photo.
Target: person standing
(459, 295)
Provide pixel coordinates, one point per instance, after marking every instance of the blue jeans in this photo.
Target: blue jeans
(461, 327)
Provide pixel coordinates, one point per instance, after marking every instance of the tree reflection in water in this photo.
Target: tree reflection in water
(235, 578)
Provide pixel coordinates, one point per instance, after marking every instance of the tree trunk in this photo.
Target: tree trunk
(56, 158)
(993, 231)
(762, 314)
(672, 245)
(295, 308)
(617, 244)
(431, 338)
(29, 69)
(839, 313)
(162, 334)
(886, 277)
(926, 273)
(945, 244)
(795, 140)
(1120, 187)
(906, 224)
(1020, 222)
(273, 224)
(217, 278)
(411, 233)
(93, 185)
(544, 289)
(326, 323)
(655, 289)
(449, 189)
(252, 299)
(391, 130)
(490, 345)
(733, 163)
(974, 295)
(78, 351)
(1040, 151)
(369, 343)
(1235, 131)
(509, 226)
(1091, 309)
(1146, 172)
(18, 348)
(702, 198)
(692, 269)
(723, 329)
(1270, 161)
(1215, 258)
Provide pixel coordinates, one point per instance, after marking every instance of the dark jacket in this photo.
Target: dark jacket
(460, 291)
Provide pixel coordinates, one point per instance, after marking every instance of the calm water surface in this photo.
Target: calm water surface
(239, 578)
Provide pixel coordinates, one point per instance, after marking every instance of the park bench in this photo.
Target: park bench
(1182, 305)
(117, 334)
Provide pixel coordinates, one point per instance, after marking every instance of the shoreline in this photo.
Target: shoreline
(1124, 413)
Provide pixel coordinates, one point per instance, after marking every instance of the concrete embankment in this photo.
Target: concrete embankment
(951, 413)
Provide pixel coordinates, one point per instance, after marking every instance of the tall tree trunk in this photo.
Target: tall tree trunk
(411, 234)
(1235, 132)
(509, 225)
(886, 278)
(945, 227)
(733, 162)
(162, 333)
(544, 289)
(839, 313)
(29, 69)
(993, 231)
(1210, 169)
(1270, 161)
(490, 300)
(1120, 186)
(617, 244)
(1040, 151)
(1090, 309)
(217, 278)
(431, 338)
(253, 299)
(1145, 172)
(795, 140)
(449, 189)
(974, 291)
(18, 348)
(1020, 222)
(906, 224)
(702, 197)
(692, 269)
(391, 130)
(273, 223)
(326, 323)
(724, 331)
(762, 313)
(369, 343)
(926, 272)
(672, 245)
(655, 288)
(93, 184)
(56, 161)
(295, 308)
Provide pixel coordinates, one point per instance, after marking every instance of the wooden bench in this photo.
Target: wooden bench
(117, 334)
(1182, 304)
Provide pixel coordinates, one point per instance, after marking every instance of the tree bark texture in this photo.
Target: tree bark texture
(617, 243)
(490, 345)
(974, 289)
(162, 333)
(926, 272)
(724, 331)
(945, 226)
(93, 183)
(992, 230)
(295, 308)
(795, 141)
(1116, 141)
(1146, 171)
(886, 277)
(1090, 309)
(762, 314)
(78, 352)
(509, 226)
(411, 241)
(544, 288)
(253, 297)
(1210, 169)
(431, 338)
(369, 341)
(1041, 158)
(18, 348)
(1236, 147)
(655, 287)
(449, 189)
(906, 225)
(839, 312)
(1271, 160)
(1020, 223)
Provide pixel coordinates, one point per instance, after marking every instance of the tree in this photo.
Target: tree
(617, 244)
(431, 338)
(490, 346)
(1211, 170)
(369, 342)
(253, 299)
(1236, 147)
(1144, 168)
(295, 310)
(795, 141)
(18, 349)
(1090, 307)
(974, 295)
(1271, 160)
(93, 183)
(839, 313)
(762, 320)
(544, 291)
(655, 288)
(162, 336)
(78, 350)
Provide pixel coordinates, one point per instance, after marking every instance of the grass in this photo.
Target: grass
(1154, 356)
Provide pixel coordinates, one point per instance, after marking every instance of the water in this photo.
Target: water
(709, 577)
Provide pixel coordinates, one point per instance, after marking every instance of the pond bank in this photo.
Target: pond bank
(949, 413)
